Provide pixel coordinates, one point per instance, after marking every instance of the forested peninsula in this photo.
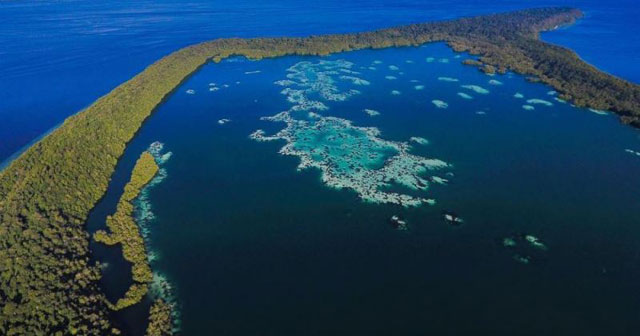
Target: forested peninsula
(48, 284)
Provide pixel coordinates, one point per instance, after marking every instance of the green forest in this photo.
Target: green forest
(50, 287)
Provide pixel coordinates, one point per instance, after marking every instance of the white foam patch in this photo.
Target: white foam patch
(191, 91)
(518, 95)
(390, 77)
(393, 68)
(448, 79)
(443, 60)
(419, 87)
(252, 72)
(395, 92)
(495, 82)
(528, 107)
(429, 59)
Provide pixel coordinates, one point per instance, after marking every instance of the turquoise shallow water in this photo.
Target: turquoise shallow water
(253, 246)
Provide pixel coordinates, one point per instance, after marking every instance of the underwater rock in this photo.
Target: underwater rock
(476, 89)
(398, 223)
(539, 102)
(528, 107)
(395, 92)
(495, 82)
(448, 79)
(223, 121)
(518, 95)
(560, 100)
(440, 104)
(191, 91)
(464, 95)
(371, 112)
(419, 140)
(451, 218)
(419, 87)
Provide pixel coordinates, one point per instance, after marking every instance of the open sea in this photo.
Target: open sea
(244, 243)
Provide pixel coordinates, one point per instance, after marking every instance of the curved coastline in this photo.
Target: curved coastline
(48, 191)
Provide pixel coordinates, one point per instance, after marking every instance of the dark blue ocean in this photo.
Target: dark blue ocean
(56, 57)
(252, 246)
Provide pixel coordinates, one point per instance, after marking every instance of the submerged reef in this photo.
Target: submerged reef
(632, 152)
(439, 103)
(476, 89)
(371, 113)
(539, 102)
(464, 95)
(526, 248)
(348, 156)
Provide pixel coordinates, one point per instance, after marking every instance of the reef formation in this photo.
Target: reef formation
(348, 156)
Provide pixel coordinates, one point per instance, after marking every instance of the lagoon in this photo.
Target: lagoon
(250, 244)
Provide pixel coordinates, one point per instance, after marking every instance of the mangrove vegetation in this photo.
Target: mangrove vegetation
(125, 231)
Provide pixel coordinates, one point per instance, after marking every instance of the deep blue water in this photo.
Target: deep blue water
(56, 57)
(254, 247)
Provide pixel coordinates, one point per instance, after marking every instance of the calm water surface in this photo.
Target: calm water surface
(56, 57)
(254, 247)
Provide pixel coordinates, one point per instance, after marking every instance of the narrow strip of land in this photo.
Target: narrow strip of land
(125, 231)
(48, 286)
